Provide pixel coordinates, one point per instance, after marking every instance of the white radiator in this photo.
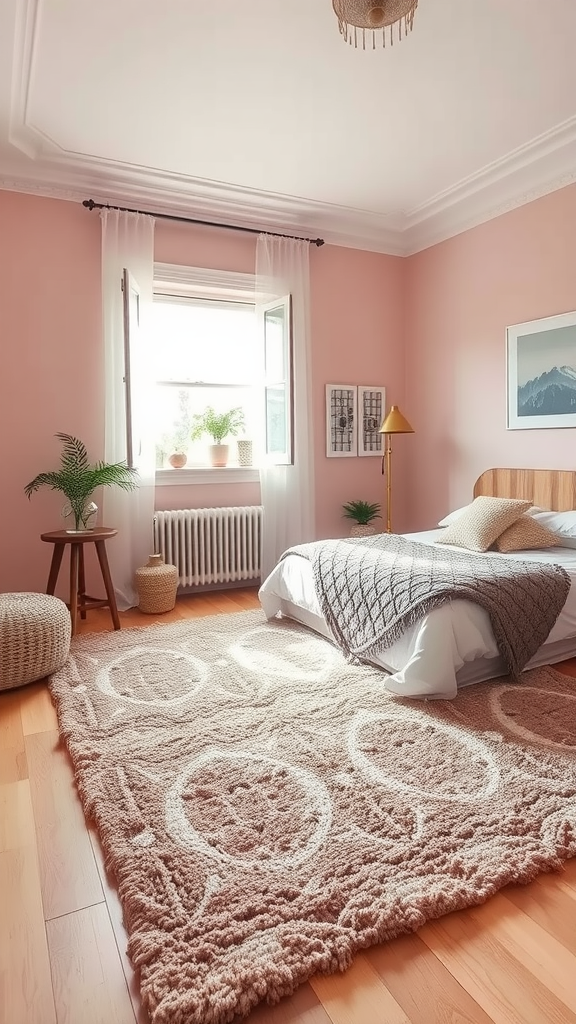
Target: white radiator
(211, 545)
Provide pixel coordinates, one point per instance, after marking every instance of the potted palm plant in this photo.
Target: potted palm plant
(78, 480)
(363, 513)
(219, 426)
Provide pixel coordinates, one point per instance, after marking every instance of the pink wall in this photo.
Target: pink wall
(461, 296)
(50, 370)
(52, 365)
(357, 332)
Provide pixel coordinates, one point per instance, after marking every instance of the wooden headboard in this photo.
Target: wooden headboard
(550, 488)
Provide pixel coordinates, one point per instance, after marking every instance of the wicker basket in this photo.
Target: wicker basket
(156, 584)
(34, 637)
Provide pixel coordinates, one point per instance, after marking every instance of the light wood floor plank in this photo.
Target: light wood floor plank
(358, 996)
(13, 765)
(37, 709)
(16, 817)
(500, 984)
(421, 985)
(551, 904)
(26, 985)
(542, 955)
(89, 984)
(120, 935)
(68, 870)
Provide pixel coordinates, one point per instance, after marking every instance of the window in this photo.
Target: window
(219, 364)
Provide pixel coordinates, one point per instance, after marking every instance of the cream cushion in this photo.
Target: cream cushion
(482, 522)
(524, 534)
(453, 516)
(34, 637)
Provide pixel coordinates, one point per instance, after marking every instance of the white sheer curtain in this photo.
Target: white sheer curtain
(128, 242)
(287, 492)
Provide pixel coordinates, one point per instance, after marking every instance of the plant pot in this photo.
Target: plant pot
(244, 453)
(362, 530)
(178, 460)
(218, 455)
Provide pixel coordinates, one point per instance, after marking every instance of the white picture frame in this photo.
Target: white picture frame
(371, 413)
(541, 373)
(341, 421)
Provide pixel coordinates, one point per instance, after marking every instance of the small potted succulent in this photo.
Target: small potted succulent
(219, 426)
(77, 480)
(363, 513)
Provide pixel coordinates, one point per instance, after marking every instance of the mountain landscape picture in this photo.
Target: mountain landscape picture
(546, 374)
(552, 393)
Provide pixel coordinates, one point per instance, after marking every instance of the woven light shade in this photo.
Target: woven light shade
(361, 21)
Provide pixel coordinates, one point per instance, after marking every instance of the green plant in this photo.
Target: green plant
(217, 424)
(362, 511)
(78, 480)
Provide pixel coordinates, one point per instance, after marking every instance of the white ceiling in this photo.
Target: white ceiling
(258, 113)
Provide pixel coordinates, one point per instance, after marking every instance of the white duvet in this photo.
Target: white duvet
(449, 647)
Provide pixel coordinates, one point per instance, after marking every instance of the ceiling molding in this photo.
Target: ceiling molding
(545, 164)
(75, 179)
(164, 192)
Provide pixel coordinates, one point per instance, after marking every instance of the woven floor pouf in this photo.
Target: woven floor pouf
(34, 637)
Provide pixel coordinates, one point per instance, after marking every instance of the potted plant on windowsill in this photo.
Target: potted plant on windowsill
(363, 513)
(174, 444)
(78, 480)
(219, 426)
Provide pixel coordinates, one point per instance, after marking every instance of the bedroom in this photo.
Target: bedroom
(430, 324)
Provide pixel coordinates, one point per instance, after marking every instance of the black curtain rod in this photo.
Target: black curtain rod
(91, 205)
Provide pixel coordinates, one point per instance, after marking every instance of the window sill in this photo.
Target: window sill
(206, 475)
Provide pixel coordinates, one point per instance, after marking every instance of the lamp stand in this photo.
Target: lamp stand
(388, 460)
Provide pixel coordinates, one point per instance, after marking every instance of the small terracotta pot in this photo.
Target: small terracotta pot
(177, 460)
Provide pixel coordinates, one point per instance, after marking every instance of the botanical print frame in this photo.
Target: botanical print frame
(341, 420)
(541, 373)
(371, 412)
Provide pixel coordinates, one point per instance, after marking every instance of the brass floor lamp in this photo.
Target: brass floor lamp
(394, 423)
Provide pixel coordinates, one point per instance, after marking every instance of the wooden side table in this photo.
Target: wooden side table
(79, 599)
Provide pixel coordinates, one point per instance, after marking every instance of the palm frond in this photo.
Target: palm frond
(53, 480)
(74, 455)
(77, 479)
(103, 474)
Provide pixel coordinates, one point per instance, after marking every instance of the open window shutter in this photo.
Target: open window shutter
(131, 305)
(278, 381)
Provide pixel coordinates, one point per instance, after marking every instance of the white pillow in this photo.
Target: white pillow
(562, 525)
(453, 516)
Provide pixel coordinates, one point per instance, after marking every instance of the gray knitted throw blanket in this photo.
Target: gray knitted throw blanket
(372, 589)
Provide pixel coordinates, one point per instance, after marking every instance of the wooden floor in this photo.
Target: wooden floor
(62, 944)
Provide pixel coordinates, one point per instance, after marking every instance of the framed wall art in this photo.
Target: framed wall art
(341, 417)
(371, 411)
(541, 373)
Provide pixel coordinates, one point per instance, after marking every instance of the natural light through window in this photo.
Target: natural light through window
(209, 373)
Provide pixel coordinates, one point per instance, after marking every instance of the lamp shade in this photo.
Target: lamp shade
(395, 423)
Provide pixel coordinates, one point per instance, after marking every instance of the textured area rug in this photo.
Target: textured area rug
(268, 809)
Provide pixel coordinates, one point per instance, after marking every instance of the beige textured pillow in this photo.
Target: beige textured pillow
(482, 522)
(524, 534)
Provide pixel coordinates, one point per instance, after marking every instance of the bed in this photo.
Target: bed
(453, 645)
